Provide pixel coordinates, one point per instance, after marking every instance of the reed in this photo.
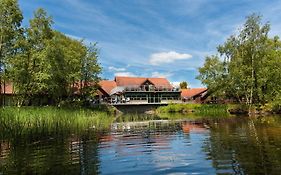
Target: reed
(177, 108)
(31, 121)
(210, 110)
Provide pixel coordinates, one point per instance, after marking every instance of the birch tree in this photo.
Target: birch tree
(249, 65)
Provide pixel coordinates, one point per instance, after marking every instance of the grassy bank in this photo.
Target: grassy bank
(34, 121)
(197, 109)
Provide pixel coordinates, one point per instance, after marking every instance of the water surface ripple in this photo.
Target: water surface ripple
(235, 145)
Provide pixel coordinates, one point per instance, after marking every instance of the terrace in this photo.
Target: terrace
(150, 88)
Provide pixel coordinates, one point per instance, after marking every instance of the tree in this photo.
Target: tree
(247, 67)
(66, 56)
(212, 74)
(10, 31)
(247, 52)
(90, 71)
(31, 68)
(48, 64)
(183, 85)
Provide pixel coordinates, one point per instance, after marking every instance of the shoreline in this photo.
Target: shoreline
(213, 109)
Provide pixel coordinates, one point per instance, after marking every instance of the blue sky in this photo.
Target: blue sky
(154, 37)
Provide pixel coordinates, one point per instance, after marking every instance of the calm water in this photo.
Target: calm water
(236, 145)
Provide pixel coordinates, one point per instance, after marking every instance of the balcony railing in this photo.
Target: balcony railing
(147, 100)
(151, 88)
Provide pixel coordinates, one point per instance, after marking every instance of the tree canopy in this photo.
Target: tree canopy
(41, 61)
(183, 85)
(10, 33)
(247, 67)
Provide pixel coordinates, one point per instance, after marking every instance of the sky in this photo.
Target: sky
(154, 38)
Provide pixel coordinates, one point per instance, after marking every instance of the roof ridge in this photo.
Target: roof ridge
(140, 77)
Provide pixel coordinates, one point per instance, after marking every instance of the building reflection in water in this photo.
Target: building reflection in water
(158, 145)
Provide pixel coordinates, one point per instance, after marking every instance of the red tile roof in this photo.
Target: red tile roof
(107, 85)
(129, 81)
(138, 81)
(8, 88)
(158, 82)
(191, 92)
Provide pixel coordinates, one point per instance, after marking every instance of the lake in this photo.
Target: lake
(151, 145)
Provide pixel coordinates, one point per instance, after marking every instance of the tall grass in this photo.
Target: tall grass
(31, 121)
(211, 110)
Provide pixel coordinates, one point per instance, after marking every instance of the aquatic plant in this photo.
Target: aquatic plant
(173, 108)
(49, 121)
(212, 110)
(198, 109)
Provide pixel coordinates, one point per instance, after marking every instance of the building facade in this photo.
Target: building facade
(139, 90)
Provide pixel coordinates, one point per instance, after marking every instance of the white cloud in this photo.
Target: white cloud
(125, 74)
(167, 57)
(161, 75)
(112, 68)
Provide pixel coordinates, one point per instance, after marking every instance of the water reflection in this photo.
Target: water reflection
(142, 145)
(157, 147)
(50, 156)
(246, 146)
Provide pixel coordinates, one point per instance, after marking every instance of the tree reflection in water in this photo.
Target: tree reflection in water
(246, 145)
(56, 154)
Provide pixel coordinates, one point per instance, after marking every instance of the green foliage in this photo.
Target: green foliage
(249, 67)
(275, 105)
(211, 110)
(183, 85)
(31, 68)
(10, 33)
(90, 71)
(49, 64)
(212, 74)
(174, 108)
(19, 122)
(238, 108)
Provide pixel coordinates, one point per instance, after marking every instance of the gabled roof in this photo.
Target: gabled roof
(138, 81)
(107, 85)
(9, 89)
(191, 92)
(129, 81)
(160, 82)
